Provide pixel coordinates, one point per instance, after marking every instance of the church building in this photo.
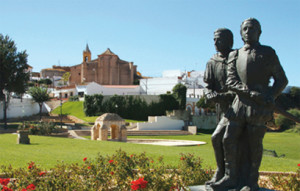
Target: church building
(106, 69)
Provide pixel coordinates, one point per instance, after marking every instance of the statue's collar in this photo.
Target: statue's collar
(251, 46)
(219, 57)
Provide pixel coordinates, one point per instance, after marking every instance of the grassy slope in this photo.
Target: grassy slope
(46, 151)
(76, 109)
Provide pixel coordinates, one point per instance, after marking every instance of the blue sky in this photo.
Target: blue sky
(156, 35)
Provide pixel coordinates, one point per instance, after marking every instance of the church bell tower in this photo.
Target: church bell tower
(87, 54)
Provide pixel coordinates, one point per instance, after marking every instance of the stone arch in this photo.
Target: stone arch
(95, 131)
(112, 122)
(114, 132)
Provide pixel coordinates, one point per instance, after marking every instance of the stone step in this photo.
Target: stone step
(138, 133)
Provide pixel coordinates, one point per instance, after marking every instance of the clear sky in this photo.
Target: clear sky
(156, 35)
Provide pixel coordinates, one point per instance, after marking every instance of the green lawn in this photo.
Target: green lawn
(76, 109)
(46, 151)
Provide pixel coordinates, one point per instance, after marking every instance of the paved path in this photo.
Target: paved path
(75, 136)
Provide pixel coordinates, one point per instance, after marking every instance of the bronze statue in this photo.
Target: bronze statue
(215, 77)
(249, 72)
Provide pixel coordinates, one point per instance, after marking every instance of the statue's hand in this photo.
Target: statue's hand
(241, 89)
(211, 96)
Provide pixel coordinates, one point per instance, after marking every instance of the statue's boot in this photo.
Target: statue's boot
(216, 177)
(253, 177)
(216, 140)
(229, 181)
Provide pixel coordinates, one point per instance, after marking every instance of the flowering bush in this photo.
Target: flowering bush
(281, 182)
(40, 128)
(138, 184)
(117, 172)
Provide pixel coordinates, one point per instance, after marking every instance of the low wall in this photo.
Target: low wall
(161, 123)
(18, 108)
(205, 121)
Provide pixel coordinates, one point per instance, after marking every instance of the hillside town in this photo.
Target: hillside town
(188, 95)
(109, 75)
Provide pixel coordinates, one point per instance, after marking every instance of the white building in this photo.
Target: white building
(94, 88)
(161, 85)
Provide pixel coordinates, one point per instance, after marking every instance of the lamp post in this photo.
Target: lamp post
(60, 109)
(116, 106)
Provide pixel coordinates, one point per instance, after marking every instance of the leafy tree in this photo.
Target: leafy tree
(39, 95)
(179, 92)
(65, 78)
(285, 123)
(45, 81)
(295, 94)
(168, 102)
(93, 104)
(203, 103)
(13, 75)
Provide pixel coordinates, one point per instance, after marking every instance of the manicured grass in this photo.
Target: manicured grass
(76, 109)
(46, 151)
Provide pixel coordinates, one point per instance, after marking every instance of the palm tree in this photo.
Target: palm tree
(39, 95)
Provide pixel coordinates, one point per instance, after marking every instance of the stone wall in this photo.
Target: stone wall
(161, 123)
(205, 121)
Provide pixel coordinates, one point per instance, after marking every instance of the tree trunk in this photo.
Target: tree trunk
(41, 107)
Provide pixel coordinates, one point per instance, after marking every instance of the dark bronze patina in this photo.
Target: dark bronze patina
(248, 75)
(215, 77)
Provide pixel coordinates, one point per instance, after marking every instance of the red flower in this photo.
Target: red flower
(84, 159)
(131, 156)
(6, 189)
(137, 184)
(298, 165)
(152, 161)
(4, 181)
(135, 187)
(30, 165)
(31, 187)
(182, 158)
(89, 167)
(42, 173)
(23, 189)
(111, 161)
(112, 173)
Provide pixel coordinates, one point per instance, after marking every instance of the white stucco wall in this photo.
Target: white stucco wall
(94, 88)
(161, 123)
(17, 108)
(157, 86)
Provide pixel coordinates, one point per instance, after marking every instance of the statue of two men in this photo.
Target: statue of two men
(243, 76)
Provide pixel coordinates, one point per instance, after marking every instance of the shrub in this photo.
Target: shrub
(117, 172)
(74, 98)
(179, 93)
(133, 107)
(41, 128)
(281, 182)
(92, 104)
(285, 123)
